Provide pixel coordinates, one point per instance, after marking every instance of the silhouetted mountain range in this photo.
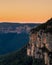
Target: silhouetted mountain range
(20, 57)
(16, 27)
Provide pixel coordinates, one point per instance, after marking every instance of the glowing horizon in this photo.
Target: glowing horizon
(25, 11)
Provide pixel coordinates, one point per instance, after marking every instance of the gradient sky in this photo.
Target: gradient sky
(25, 10)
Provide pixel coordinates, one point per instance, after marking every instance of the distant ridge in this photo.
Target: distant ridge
(6, 27)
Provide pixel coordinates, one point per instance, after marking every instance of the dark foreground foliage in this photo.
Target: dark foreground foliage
(19, 58)
(47, 27)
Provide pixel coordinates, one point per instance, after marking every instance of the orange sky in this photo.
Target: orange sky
(25, 10)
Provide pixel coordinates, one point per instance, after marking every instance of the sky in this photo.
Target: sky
(25, 11)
